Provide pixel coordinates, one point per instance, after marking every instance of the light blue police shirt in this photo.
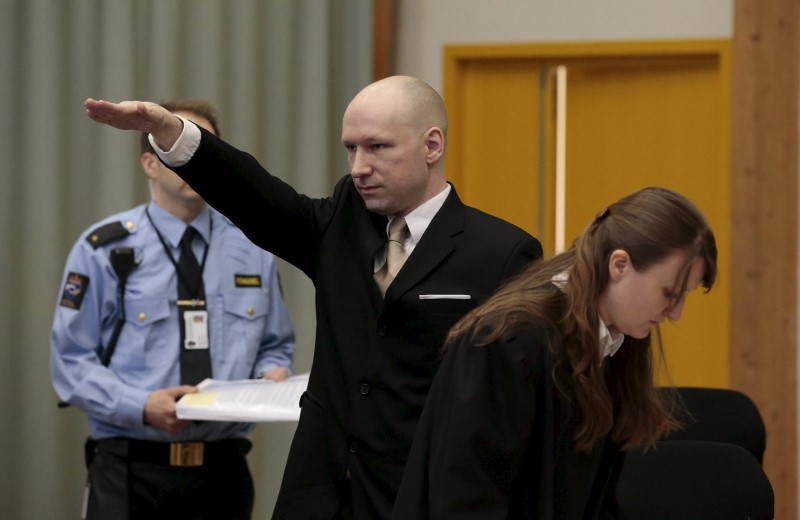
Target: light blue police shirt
(249, 326)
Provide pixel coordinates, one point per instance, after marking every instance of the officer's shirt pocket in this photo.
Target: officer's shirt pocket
(244, 319)
(147, 334)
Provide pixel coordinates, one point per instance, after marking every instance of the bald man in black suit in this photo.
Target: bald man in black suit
(375, 354)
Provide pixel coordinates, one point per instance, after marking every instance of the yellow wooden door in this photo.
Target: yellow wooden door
(636, 115)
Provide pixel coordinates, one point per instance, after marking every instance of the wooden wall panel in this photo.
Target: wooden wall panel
(764, 190)
(382, 38)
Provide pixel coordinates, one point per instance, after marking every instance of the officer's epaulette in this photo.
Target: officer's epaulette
(107, 233)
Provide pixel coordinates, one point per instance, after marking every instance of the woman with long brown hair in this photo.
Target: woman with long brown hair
(544, 386)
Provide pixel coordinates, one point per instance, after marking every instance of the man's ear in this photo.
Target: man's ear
(434, 140)
(150, 163)
(619, 263)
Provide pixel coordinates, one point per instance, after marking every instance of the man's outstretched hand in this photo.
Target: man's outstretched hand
(143, 116)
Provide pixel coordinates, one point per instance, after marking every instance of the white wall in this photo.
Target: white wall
(425, 27)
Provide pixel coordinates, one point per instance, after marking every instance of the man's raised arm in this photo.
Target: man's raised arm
(143, 116)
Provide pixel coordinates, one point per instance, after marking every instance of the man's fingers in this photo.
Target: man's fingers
(178, 391)
(276, 374)
(126, 115)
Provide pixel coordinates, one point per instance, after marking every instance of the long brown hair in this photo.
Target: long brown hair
(620, 400)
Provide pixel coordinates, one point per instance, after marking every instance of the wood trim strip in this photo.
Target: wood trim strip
(764, 228)
(382, 38)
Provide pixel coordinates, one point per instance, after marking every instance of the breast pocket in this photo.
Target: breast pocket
(147, 329)
(439, 314)
(244, 319)
(424, 324)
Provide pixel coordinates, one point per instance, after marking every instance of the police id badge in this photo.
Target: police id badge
(195, 325)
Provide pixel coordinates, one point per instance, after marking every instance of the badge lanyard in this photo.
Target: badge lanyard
(194, 332)
(172, 258)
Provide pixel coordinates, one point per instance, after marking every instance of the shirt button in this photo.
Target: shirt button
(250, 311)
(382, 331)
(364, 389)
(353, 447)
(142, 316)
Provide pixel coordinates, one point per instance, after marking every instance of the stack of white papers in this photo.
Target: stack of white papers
(246, 400)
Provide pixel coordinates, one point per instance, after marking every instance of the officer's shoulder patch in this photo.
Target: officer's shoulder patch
(106, 233)
(74, 290)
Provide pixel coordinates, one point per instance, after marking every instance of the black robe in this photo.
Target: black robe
(493, 441)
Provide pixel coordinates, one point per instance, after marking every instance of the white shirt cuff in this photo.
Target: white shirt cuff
(183, 149)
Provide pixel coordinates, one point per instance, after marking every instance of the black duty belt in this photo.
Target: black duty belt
(180, 454)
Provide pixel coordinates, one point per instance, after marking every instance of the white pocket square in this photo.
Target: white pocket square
(445, 297)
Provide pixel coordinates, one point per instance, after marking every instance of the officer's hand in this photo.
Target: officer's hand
(276, 374)
(159, 409)
(137, 115)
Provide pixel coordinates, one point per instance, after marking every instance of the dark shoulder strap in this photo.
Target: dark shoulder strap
(106, 233)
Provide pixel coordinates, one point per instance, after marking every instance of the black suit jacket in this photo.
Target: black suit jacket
(375, 357)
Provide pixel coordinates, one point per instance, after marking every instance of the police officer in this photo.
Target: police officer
(154, 300)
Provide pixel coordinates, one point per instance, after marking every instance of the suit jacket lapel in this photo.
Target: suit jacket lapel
(375, 240)
(435, 246)
(370, 246)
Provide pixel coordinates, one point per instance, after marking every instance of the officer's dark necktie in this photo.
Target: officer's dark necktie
(195, 362)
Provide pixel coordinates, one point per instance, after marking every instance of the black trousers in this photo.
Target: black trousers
(132, 480)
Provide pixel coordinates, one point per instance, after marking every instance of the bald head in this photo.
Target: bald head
(418, 104)
(393, 131)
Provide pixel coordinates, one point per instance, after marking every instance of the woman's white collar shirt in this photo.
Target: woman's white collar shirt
(609, 343)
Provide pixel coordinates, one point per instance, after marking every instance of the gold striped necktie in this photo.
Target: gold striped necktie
(395, 254)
